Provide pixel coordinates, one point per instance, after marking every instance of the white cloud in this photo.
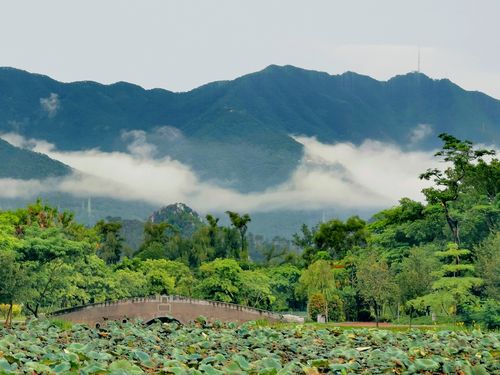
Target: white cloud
(138, 145)
(371, 175)
(30, 144)
(51, 104)
(420, 132)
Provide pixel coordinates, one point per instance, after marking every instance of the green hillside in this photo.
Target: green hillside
(25, 164)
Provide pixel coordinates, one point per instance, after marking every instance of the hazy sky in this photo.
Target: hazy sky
(182, 44)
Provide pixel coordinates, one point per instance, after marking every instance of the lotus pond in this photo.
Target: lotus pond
(44, 347)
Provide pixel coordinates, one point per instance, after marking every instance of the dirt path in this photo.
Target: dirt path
(373, 324)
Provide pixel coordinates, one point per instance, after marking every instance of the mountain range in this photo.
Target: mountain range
(239, 132)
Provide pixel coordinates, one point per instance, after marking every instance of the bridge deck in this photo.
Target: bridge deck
(183, 309)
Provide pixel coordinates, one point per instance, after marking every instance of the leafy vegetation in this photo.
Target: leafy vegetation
(54, 348)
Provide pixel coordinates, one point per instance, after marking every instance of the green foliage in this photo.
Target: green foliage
(454, 286)
(333, 308)
(337, 237)
(395, 264)
(283, 281)
(183, 219)
(255, 290)
(487, 314)
(219, 280)
(316, 305)
(396, 230)
(204, 348)
(450, 181)
(319, 279)
(374, 282)
(488, 265)
(240, 222)
(416, 274)
(332, 240)
(111, 243)
(13, 282)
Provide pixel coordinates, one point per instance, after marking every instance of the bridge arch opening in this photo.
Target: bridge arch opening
(163, 319)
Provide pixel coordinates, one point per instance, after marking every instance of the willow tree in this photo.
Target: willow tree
(319, 279)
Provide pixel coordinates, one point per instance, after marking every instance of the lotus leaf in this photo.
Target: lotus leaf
(6, 367)
(426, 364)
(133, 348)
(61, 368)
(208, 369)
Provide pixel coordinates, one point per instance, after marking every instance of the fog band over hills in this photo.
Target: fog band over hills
(343, 175)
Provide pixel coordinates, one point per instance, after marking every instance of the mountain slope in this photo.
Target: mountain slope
(238, 132)
(353, 107)
(24, 164)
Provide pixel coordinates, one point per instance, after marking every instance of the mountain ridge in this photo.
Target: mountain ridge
(238, 132)
(19, 163)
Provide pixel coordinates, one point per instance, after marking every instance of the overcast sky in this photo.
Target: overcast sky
(181, 44)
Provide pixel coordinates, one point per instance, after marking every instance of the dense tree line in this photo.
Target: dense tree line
(413, 259)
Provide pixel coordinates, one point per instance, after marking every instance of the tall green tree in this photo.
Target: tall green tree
(220, 280)
(374, 282)
(396, 230)
(337, 237)
(305, 241)
(459, 156)
(255, 290)
(240, 222)
(48, 251)
(13, 281)
(319, 278)
(110, 241)
(416, 275)
(284, 279)
(213, 229)
(487, 263)
(454, 286)
(155, 241)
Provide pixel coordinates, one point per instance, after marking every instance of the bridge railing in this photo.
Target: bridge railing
(171, 298)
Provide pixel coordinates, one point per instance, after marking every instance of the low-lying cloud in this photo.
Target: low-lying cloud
(420, 132)
(51, 104)
(342, 175)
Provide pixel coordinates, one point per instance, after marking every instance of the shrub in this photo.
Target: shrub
(317, 305)
(16, 310)
(486, 314)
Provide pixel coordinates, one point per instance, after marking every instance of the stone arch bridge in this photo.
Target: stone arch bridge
(165, 308)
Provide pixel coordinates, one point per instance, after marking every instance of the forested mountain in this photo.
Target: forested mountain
(183, 219)
(238, 131)
(24, 164)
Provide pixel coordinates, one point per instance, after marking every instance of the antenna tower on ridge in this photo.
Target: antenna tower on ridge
(418, 62)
